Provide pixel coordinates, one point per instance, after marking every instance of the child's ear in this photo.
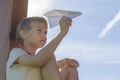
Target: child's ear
(22, 33)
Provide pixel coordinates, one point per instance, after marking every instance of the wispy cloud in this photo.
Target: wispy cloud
(110, 25)
(88, 54)
(38, 7)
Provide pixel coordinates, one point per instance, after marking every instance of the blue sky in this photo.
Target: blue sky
(93, 38)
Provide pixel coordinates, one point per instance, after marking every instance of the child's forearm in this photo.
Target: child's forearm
(46, 53)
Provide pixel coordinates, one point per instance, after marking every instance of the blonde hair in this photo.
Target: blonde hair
(25, 24)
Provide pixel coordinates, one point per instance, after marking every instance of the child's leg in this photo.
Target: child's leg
(50, 70)
(69, 73)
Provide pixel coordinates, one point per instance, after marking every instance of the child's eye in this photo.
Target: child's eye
(39, 30)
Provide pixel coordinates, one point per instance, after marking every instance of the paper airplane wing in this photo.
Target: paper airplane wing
(55, 15)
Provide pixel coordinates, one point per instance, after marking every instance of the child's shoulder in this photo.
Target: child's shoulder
(17, 51)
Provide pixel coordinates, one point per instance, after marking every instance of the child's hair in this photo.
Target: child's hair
(25, 24)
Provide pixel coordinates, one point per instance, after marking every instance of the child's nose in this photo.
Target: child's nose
(43, 36)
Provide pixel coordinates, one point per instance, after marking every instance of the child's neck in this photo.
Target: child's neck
(29, 50)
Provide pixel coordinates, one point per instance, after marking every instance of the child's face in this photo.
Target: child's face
(36, 36)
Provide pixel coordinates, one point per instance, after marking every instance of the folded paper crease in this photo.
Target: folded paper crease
(55, 15)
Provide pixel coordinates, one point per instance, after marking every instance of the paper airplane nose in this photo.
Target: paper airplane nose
(55, 15)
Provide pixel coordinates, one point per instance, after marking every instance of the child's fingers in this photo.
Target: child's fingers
(67, 20)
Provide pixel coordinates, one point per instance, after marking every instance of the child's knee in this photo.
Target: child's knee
(72, 69)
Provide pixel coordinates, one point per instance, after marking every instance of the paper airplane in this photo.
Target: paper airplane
(55, 15)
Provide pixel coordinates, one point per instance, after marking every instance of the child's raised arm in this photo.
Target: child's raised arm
(47, 52)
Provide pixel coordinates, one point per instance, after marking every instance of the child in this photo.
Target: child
(68, 69)
(23, 64)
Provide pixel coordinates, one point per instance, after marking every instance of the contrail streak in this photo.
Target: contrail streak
(110, 25)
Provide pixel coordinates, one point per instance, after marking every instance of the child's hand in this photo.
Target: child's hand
(65, 23)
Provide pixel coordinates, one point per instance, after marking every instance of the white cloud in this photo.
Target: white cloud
(38, 7)
(110, 25)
